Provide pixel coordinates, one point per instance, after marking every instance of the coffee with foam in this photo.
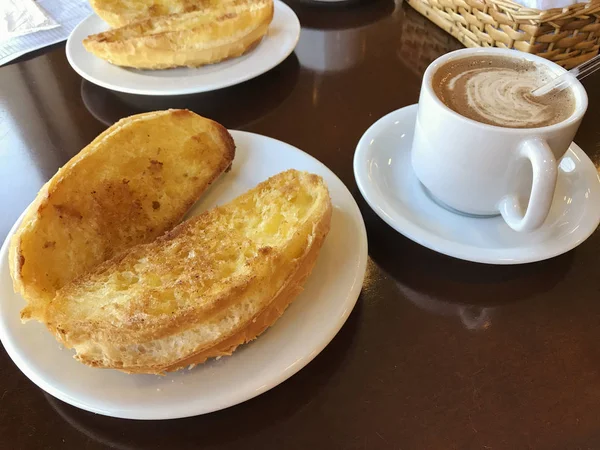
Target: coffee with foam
(496, 90)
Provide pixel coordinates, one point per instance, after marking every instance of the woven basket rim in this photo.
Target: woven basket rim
(567, 36)
(520, 9)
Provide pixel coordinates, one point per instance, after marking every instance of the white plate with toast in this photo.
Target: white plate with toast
(279, 42)
(306, 327)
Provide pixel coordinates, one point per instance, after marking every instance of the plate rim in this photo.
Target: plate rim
(434, 242)
(278, 4)
(359, 273)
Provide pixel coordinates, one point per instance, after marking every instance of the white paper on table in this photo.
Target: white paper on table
(548, 4)
(20, 17)
(66, 13)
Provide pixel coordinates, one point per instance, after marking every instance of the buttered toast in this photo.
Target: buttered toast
(212, 283)
(132, 183)
(118, 13)
(208, 35)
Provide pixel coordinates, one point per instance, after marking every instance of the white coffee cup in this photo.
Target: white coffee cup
(480, 169)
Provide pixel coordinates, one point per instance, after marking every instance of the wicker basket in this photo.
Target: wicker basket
(567, 36)
(422, 43)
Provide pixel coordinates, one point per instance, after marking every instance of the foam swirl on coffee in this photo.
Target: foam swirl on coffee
(503, 96)
(497, 91)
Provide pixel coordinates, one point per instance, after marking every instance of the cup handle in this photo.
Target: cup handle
(542, 188)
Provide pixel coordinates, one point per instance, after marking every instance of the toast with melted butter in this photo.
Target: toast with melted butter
(132, 183)
(118, 13)
(207, 35)
(214, 282)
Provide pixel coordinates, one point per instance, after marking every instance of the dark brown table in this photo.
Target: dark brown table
(438, 353)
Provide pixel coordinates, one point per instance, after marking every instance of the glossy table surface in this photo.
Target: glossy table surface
(438, 353)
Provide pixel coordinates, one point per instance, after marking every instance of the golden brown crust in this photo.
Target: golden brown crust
(192, 39)
(119, 191)
(196, 289)
(255, 326)
(118, 13)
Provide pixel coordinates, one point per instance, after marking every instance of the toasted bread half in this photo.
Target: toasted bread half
(205, 36)
(118, 13)
(212, 283)
(131, 184)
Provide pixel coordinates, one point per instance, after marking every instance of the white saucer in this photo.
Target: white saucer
(385, 178)
(278, 44)
(306, 327)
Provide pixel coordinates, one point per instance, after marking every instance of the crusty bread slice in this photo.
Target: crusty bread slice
(206, 36)
(118, 13)
(132, 183)
(212, 283)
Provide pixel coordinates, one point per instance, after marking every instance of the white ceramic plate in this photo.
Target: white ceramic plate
(306, 327)
(280, 41)
(384, 175)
